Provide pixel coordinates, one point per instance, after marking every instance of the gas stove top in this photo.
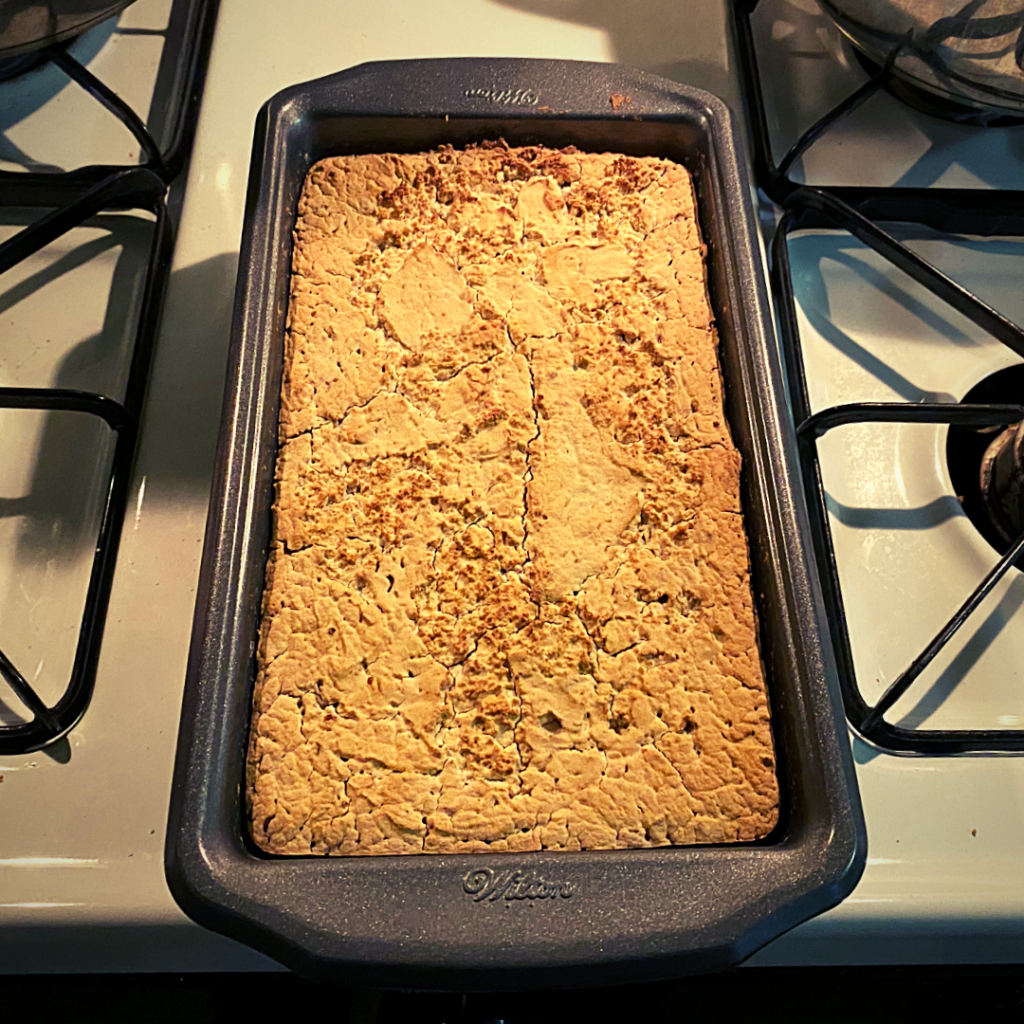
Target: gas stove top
(82, 843)
(888, 413)
(867, 316)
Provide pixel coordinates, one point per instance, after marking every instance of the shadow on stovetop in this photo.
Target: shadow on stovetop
(55, 487)
(921, 518)
(69, 314)
(182, 410)
(972, 652)
(183, 406)
(61, 504)
(68, 454)
(11, 712)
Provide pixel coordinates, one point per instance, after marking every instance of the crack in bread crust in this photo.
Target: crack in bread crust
(508, 601)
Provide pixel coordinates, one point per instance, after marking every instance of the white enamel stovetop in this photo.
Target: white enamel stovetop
(81, 842)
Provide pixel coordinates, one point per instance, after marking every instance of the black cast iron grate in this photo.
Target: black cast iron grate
(72, 198)
(859, 211)
(192, 24)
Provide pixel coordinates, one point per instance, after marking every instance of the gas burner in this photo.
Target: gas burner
(927, 102)
(1002, 482)
(987, 466)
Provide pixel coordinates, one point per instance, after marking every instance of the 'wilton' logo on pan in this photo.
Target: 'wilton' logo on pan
(515, 97)
(485, 884)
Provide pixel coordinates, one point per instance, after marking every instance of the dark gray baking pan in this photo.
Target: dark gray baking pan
(461, 922)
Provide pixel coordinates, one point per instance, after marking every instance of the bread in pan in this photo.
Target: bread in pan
(508, 601)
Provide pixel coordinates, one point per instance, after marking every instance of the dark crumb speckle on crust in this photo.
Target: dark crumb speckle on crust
(508, 600)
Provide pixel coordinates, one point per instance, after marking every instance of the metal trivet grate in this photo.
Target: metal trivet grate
(72, 198)
(859, 211)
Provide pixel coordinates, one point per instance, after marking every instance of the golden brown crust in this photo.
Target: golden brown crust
(508, 602)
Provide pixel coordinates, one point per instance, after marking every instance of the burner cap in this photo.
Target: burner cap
(1002, 482)
(986, 466)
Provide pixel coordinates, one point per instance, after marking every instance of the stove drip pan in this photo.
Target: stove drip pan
(986, 465)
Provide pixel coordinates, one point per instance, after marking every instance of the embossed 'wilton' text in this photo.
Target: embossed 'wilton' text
(515, 97)
(485, 884)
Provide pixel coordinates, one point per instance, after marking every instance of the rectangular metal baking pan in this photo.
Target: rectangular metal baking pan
(443, 921)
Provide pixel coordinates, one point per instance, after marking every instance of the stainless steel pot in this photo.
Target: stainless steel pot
(28, 25)
(969, 52)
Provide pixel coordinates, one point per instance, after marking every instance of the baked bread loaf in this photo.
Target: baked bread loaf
(508, 600)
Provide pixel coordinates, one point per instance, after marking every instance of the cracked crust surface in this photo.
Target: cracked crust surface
(508, 600)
